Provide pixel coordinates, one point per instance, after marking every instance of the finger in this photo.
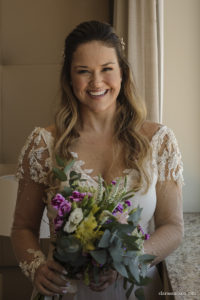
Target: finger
(56, 267)
(53, 288)
(55, 277)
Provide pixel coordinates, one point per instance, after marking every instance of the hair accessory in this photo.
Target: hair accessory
(122, 43)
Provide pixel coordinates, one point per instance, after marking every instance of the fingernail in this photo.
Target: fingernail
(64, 272)
(64, 291)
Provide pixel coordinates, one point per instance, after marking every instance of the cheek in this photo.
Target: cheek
(114, 81)
(78, 83)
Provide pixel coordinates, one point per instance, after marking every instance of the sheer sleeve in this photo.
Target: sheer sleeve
(33, 167)
(168, 215)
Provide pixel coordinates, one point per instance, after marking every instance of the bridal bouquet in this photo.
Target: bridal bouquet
(95, 230)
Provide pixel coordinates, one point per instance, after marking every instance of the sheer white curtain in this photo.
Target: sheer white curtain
(140, 23)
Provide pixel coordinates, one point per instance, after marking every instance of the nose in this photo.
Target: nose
(96, 79)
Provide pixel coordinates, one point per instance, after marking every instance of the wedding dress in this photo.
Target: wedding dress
(36, 159)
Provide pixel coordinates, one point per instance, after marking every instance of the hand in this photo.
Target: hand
(50, 279)
(106, 278)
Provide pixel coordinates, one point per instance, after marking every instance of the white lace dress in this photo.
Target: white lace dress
(34, 163)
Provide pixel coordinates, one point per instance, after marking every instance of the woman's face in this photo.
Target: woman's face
(96, 76)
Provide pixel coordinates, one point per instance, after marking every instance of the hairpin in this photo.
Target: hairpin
(122, 43)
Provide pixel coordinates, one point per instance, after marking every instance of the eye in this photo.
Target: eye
(107, 69)
(82, 71)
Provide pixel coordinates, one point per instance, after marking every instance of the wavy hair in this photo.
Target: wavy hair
(131, 111)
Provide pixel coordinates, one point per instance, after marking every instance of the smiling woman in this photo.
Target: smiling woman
(96, 77)
(101, 124)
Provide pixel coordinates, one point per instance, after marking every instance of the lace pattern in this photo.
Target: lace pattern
(166, 156)
(29, 268)
(38, 165)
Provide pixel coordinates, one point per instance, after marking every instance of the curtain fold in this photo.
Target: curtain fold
(140, 23)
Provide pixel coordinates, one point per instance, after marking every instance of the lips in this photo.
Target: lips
(97, 93)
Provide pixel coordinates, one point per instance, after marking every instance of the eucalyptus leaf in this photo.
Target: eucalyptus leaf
(130, 289)
(116, 251)
(147, 258)
(105, 240)
(120, 268)
(135, 216)
(100, 256)
(133, 268)
(144, 281)
(59, 174)
(139, 294)
(69, 166)
(67, 191)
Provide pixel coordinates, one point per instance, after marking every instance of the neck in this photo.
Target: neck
(97, 122)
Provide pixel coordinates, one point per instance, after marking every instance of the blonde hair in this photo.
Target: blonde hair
(131, 111)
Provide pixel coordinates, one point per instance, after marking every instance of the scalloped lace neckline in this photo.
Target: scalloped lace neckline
(81, 163)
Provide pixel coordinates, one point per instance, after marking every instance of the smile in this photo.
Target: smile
(97, 93)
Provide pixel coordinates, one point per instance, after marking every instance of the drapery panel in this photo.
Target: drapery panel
(140, 23)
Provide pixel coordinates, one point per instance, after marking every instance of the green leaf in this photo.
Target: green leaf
(120, 268)
(139, 294)
(59, 174)
(69, 243)
(133, 268)
(59, 161)
(104, 241)
(144, 281)
(100, 256)
(135, 216)
(147, 258)
(128, 293)
(67, 191)
(116, 251)
(69, 166)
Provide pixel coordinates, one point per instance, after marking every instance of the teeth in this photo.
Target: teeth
(98, 93)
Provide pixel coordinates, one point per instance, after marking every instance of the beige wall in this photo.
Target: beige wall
(182, 89)
(32, 37)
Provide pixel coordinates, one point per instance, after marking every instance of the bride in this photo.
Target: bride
(102, 123)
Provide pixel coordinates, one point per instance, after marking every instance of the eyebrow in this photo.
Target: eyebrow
(108, 63)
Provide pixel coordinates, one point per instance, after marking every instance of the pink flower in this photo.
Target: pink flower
(58, 222)
(64, 208)
(57, 201)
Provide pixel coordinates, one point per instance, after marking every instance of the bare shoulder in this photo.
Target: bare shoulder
(149, 128)
(52, 129)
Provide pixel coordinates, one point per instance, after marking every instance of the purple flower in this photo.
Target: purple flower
(118, 208)
(77, 199)
(108, 221)
(140, 229)
(64, 208)
(76, 194)
(89, 195)
(113, 182)
(128, 202)
(58, 221)
(57, 201)
(147, 236)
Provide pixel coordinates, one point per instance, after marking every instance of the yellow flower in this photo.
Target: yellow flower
(86, 232)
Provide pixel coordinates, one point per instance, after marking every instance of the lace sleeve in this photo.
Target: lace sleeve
(169, 160)
(168, 216)
(33, 167)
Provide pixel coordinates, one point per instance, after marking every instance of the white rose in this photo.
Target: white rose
(74, 219)
(69, 227)
(76, 216)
